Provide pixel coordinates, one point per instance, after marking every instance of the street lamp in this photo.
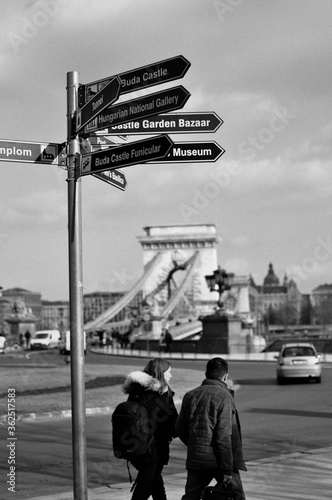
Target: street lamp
(219, 281)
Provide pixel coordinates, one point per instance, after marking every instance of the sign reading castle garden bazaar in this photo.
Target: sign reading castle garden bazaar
(125, 155)
(172, 123)
(139, 78)
(143, 107)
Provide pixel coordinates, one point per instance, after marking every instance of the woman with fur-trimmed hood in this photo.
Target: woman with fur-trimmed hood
(151, 388)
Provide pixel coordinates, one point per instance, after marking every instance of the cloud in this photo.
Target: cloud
(46, 208)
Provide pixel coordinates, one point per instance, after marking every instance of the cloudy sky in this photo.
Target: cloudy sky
(263, 66)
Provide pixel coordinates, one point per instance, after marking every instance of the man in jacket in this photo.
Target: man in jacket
(208, 424)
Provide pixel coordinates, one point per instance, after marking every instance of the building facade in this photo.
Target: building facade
(55, 315)
(321, 298)
(278, 303)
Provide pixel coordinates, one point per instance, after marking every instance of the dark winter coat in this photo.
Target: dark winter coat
(161, 409)
(209, 425)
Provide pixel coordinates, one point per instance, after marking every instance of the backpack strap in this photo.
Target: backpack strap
(129, 474)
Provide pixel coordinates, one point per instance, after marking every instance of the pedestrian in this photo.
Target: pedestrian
(168, 340)
(162, 341)
(22, 341)
(208, 424)
(27, 339)
(151, 388)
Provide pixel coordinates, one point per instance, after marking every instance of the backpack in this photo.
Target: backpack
(131, 430)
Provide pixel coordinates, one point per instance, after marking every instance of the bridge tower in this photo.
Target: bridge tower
(186, 254)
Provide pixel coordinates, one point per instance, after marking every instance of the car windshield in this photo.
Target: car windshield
(41, 336)
(298, 351)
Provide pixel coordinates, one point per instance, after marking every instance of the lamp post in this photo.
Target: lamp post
(219, 281)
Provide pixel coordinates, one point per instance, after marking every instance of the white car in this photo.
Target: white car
(3, 343)
(45, 339)
(298, 360)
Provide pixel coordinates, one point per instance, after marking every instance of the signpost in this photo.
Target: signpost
(104, 98)
(140, 78)
(114, 177)
(143, 107)
(172, 123)
(32, 152)
(193, 152)
(89, 109)
(125, 155)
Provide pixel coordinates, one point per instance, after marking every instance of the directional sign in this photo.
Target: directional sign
(125, 155)
(143, 107)
(193, 152)
(106, 96)
(140, 78)
(172, 123)
(32, 152)
(114, 177)
(100, 140)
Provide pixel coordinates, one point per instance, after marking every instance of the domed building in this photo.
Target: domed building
(282, 301)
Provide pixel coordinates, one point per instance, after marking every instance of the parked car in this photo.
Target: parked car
(45, 339)
(3, 343)
(298, 360)
(64, 343)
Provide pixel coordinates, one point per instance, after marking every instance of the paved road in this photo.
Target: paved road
(275, 420)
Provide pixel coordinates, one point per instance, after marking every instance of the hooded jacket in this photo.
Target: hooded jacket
(209, 425)
(161, 409)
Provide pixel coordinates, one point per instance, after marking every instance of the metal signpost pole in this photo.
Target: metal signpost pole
(76, 296)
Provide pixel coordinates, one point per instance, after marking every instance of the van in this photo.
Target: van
(45, 339)
(64, 343)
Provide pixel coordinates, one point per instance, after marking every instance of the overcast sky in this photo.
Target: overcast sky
(263, 66)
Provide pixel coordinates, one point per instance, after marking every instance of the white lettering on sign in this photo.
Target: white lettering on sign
(117, 178)
(165, 101)
(193, 123)
(139, 108)
(154, 74)
(147, 76)
(121, 113)
(192, 152)
(100, 162)
(125, 126)
(98, 103)
(135, 153)
(159, 124)
(15, 151)
(120, 157)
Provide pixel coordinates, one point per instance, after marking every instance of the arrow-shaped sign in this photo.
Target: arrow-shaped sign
(106, 96)
(125, 155)
(172, 123)
(140, 78)
(143, 107)
(193, 152)
(32, 152)
(114, 177)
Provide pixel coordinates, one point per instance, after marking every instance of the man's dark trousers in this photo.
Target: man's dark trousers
(198, 479)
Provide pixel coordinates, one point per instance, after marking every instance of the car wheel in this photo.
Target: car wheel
(280, 381)
(319, 379)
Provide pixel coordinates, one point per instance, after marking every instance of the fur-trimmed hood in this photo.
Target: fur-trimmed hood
(138, 382)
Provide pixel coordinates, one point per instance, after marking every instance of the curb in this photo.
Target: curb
(89, 412)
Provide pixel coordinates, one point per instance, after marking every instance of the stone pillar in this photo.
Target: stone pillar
(177, 244)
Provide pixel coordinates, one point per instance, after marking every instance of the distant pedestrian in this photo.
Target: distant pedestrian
(22, 340)
(162, 341)
(27, 339)
(208, 424)
(151, 388)
(168, 341)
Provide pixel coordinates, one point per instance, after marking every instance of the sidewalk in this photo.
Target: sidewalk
(297, 476)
